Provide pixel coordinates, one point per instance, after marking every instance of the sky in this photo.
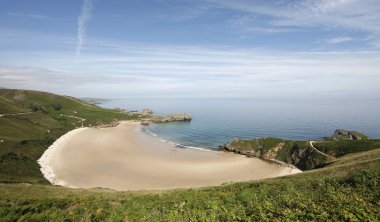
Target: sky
(273, 49)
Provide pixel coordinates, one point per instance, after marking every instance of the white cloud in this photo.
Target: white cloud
(353, 15)
(133, 70)
(339, 40)
(83, 18)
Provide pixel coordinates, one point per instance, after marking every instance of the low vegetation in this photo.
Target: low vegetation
(344, 147)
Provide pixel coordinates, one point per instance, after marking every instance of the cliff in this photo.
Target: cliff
(305, 155)
(297, 153)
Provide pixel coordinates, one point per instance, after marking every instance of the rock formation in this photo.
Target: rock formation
(166, 119)
(147, 111)
(341, 134)
(275, 150)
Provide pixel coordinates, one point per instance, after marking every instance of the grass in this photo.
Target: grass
(343, 147)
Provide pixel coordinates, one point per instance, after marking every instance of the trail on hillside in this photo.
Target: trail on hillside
(318, 151)
(81, 120)
(14, 114)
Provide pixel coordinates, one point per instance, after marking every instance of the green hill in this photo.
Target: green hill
(345, 189)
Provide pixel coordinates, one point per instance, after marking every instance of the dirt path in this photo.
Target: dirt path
(75, 117)
(318, 151)
(14, 114)
(81, 120)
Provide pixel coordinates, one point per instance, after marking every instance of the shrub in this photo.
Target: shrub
(57, 106)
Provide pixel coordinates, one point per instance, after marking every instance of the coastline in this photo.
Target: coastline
(123, 157)
(45, 159)
(175, 145)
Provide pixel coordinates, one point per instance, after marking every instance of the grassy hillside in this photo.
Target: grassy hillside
(347, 190)
(30, 121)
(344, 147)
(300, 153)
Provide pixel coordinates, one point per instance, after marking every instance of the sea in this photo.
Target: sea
(217, 121)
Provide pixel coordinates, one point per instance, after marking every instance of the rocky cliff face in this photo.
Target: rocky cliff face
(302, 154)
(341, 134)
(289, 153)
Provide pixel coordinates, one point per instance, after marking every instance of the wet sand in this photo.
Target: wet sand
(125, 158)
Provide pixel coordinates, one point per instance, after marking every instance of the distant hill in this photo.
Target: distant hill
(94, 100)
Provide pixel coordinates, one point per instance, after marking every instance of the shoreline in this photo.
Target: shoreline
(173, 144)
(123, 157)
(180, 146)
(44, 160)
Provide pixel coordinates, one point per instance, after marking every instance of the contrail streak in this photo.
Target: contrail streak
(83, 18)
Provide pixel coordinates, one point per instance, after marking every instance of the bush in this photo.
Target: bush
(57, 106)
(34, 107)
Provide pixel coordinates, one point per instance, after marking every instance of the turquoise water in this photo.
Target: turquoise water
(217, 121)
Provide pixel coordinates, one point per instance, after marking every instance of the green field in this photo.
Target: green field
(346, 188)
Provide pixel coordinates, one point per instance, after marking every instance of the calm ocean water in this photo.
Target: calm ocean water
(217, 121)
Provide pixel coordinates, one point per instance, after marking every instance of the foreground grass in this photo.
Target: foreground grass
(345, 191)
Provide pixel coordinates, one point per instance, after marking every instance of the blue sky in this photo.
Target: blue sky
(192, 48)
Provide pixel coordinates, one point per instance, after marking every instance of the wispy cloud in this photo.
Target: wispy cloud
(83, 19)
(27, 16)
(339, 40)
(138, 70)
(329, 15)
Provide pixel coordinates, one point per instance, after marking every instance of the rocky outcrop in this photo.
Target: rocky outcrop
(341, 134)
(145, 122)
(166, 119)
(147, 112)
(259, 148)
(275, 150)
(235, 147)
(272, 153)
(107, 125)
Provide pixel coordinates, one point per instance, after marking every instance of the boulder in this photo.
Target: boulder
(145, 122)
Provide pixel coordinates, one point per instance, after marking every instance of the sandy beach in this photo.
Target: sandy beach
(125, 158)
